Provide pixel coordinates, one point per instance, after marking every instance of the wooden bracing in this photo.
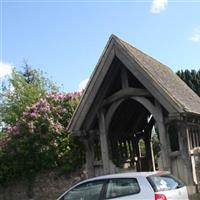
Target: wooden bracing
(129, 95)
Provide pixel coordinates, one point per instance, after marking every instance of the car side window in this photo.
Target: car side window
(85, 191)
(122, 187)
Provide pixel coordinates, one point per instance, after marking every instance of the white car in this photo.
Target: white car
(129, 186)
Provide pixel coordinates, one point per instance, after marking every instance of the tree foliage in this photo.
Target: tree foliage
(191, 78)
(34, 136)
(23, 88)
(39, 139)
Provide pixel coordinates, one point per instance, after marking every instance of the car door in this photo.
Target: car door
(127, 188)
(87, 191)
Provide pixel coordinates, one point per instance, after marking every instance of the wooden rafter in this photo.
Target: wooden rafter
(126, 92)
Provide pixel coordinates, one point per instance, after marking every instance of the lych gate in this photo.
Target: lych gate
(130, 99)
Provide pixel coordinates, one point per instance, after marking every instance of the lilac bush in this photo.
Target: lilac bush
(39, 140)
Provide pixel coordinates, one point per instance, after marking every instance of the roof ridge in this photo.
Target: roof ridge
(158, 78)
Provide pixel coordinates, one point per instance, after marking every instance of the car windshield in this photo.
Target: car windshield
(164, 182)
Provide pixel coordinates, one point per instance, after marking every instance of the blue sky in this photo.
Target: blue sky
(66, 38)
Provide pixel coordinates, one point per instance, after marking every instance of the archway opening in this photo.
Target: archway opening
(130, 137)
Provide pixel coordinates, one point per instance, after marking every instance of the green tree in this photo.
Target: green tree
(191, 78)
(33, 134)
(22, 89)
(39, 140)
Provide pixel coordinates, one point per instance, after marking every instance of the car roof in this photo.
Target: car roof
(128, 175)
(120, 175)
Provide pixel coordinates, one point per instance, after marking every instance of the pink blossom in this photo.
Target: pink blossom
(49, 109)
(46, 108)
(30, 125)
(25, 114)
(74, 95)
(51, 95)
(33, 115)
(34, 107)
(13, 130)
(57, 127)
(9, 129)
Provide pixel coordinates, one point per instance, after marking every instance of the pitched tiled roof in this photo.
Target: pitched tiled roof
(171, 90)
(170, 84)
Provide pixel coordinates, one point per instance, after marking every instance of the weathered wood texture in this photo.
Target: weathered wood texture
(104, 142)
(128, 93)
(125, 93)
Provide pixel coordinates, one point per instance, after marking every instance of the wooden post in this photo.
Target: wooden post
(89, 157)
(124, 78)
(148, 145)
(138, 159)
(187, 174)
(149, 156)
(104, 142)
(164, 142)
(152, 156)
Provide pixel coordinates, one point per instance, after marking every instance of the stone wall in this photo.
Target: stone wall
(47, 186)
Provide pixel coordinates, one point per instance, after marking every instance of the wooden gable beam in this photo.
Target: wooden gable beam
(124, 56)
(126, 92)
(93, 86)
(124, 78)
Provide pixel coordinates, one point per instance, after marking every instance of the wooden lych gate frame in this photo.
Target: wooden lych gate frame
(129, 95)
